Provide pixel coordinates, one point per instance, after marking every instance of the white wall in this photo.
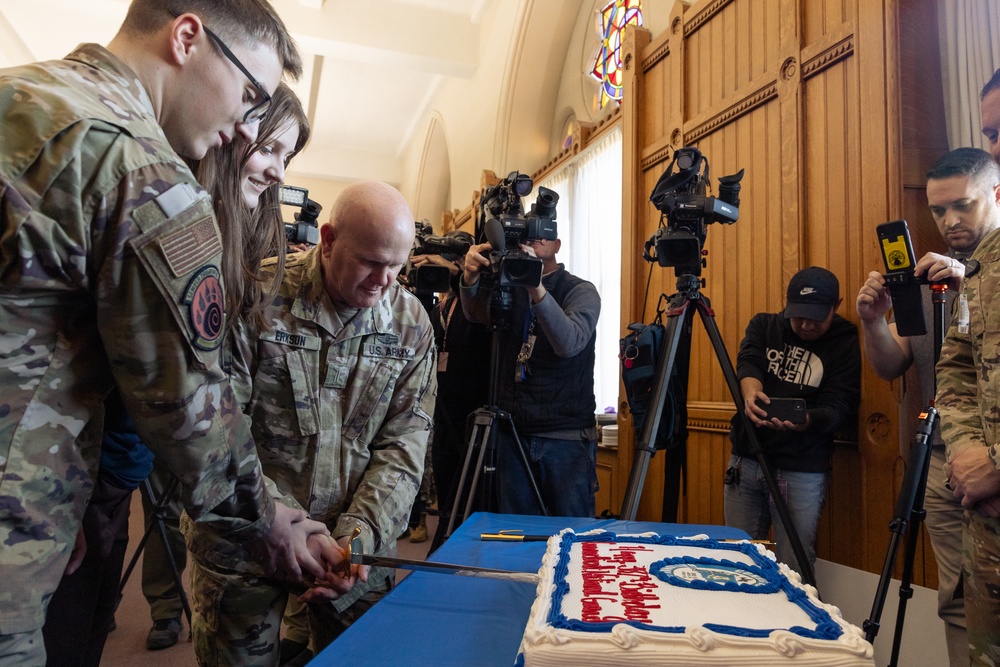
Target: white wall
(533, 73)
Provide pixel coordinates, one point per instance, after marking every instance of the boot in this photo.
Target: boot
(419, 534)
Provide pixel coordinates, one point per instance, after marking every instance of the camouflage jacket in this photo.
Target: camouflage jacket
(341, 412)
(109, 257)
(968, 385)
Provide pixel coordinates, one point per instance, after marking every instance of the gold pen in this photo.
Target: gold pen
(513, 536)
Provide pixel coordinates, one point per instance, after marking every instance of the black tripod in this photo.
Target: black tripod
(909, 510)
(160, 507)
(680, 314)
(480, 456)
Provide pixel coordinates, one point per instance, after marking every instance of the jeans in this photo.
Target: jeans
(749, 506)
(565, 471)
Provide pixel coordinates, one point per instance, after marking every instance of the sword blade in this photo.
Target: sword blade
(444, 568)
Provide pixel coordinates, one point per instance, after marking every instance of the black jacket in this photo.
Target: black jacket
(825, 372)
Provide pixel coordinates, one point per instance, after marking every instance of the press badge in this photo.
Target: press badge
(963, 313)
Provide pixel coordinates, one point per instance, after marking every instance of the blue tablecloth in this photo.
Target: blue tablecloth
(435, 619)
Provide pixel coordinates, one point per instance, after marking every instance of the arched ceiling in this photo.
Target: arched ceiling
(372, 67)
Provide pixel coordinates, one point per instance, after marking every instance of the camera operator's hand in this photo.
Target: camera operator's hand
(873, 300)
(941, 268)
(475, 260)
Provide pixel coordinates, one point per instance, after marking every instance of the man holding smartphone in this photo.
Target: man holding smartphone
(965, 213)
(806, 352)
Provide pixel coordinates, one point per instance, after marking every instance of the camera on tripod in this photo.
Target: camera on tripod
(431, 278)
(509, 228)
(304, 229)
(680, 197)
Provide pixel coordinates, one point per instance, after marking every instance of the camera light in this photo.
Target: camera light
(294, 196)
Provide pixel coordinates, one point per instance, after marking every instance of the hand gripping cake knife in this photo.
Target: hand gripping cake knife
(356, 557)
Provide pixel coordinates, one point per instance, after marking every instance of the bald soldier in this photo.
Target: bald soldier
(110, 275)
(340, 395)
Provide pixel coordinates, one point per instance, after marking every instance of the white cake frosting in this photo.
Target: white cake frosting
(648, 599)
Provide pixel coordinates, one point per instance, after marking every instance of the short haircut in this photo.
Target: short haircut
(972, 162)
(245, 22)
(991, 85)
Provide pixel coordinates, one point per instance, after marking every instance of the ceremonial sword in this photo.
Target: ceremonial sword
(356, 557)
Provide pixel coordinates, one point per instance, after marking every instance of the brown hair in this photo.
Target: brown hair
(246, 22)
(251, 236)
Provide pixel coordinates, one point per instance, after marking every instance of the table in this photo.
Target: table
(435, 619)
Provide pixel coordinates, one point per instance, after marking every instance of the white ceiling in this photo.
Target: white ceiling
(372, 67)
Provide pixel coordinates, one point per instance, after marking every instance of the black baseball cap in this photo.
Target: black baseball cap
(812, 293)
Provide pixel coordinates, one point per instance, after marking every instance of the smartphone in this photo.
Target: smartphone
(897, 250)
(904, 287)
(786, 409)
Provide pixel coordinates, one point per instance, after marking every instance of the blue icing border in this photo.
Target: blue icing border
(765, 568)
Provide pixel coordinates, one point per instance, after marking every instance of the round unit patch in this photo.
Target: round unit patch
(206, 308)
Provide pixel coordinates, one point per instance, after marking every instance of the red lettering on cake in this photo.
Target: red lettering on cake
(617, 580)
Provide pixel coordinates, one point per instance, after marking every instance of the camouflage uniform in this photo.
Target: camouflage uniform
(341, 415)
(109, 257)
(967, 397)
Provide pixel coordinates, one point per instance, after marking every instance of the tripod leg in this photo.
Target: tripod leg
(470, 452)
(708, 319)
(907, 516)
(525, 463)
(156, 521)
(679, 315)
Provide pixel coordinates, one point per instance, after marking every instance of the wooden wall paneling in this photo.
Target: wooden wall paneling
(877, 51)
(803, 94)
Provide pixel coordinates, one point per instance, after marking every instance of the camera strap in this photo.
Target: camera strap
(445, 320)
(522, 371)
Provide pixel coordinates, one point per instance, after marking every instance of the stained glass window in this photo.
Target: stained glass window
(611, 22)
(569, 129)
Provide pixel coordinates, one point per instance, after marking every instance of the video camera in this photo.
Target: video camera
(304, 229)
(509, 228)
(680, 198)
(430, 278)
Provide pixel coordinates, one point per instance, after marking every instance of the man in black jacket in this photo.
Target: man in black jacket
(806, 352)
(546, 383)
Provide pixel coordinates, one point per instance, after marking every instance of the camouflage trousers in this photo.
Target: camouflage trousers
(22, 649)
(237, 617)
(981, 568)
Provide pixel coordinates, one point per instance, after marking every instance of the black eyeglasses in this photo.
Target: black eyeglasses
(257, 111)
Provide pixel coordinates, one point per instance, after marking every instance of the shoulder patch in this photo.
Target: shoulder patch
(188, 248)
(206, 307)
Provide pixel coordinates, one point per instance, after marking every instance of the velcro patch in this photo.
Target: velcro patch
(292, 339)
(387, 338)
(206, 308)
(188, 248)
(380, 351)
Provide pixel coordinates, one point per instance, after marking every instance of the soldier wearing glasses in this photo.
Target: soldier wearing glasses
(109, 275)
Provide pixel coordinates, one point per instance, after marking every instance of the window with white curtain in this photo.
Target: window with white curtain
(589, 216)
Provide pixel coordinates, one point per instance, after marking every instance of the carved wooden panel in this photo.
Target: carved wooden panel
(806, 96)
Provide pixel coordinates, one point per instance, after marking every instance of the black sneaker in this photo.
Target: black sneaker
(301, 659)
(163, 634)
(288, 650)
